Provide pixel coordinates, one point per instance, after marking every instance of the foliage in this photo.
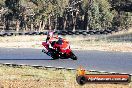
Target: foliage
(93, 14)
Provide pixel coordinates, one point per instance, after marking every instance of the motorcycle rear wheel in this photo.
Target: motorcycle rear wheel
(54, 56)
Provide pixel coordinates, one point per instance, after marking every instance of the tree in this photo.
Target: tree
(86, 9)
(67, 14)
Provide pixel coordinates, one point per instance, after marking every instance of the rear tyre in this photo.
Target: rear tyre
(73, 57)
(54, 55)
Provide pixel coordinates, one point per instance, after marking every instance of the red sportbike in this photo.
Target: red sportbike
(58, 51)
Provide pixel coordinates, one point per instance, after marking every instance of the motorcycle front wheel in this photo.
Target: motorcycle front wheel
(73, 56)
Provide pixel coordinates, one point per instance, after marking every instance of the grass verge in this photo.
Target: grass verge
(30, 77)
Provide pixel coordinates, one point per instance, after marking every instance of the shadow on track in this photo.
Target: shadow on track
(26, 59)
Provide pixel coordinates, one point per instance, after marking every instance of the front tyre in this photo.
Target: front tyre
(73, 57)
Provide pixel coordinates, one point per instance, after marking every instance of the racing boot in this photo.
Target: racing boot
(43, 50)
(48, 53)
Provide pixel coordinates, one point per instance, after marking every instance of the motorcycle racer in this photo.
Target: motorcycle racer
(49, 35)
(57, 47)
(62, 43)
(57, 42)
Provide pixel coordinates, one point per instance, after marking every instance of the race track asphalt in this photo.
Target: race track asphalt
(91, 60)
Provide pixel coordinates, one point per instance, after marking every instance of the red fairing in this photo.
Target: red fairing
(45, 45)
(66, 50)
(57, 50)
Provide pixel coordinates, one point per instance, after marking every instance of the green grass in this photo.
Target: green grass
(22, 72)
(27, 72)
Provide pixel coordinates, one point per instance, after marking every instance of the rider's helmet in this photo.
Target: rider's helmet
(60, 40)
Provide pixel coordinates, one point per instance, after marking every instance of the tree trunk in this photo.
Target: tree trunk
(55, 24)
(43, 25)
(17, 25)
(37, 26)
(74, 21)
(86, 21)
(65, 23)
(32, 29)
(7, 24)
(25, 24)
(49, 22)
(74, 24)
(4, 27)
(26, 27)
(40, 27)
